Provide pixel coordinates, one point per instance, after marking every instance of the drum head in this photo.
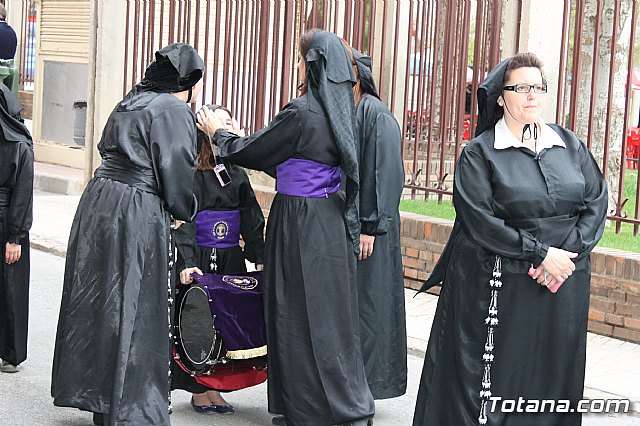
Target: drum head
(197, 337)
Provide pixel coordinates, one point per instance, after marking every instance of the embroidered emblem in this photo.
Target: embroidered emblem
(243, 283)
(220, 230)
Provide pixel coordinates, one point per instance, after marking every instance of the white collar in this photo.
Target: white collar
(547, 137)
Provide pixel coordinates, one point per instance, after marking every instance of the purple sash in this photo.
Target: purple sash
(236, 304)
(306, 178)
(218, 229)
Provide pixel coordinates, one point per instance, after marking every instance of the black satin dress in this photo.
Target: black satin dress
(316, 373)
(112, 347)
(383, 332)
(512, 204)
(16, 200)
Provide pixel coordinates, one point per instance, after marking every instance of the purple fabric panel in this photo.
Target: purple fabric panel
(218, 229)
(306, 178)
(236, 302)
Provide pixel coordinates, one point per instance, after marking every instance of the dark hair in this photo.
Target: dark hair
(357, 90)
(520, 60)
(205, 159)
(523, 60)
(305, 42)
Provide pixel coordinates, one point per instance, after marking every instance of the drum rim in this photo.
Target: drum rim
(213, 344)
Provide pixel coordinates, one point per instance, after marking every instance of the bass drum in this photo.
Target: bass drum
(198, 343)
(214, 309)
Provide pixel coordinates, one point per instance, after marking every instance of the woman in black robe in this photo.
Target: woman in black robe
(316, 373)
(383, 332)
(238, 200)
(112, 349)
(16, 197)
(530, 206)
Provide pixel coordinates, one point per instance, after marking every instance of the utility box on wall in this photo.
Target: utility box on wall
(62, 63)
(66, 83)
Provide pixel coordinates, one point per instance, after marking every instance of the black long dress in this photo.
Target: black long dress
(380, 280)
(509, 204)
(316, 374)
(112, 347)
(16, 197)
(238, 195)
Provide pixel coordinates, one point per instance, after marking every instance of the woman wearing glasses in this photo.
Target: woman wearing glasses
(511, 322)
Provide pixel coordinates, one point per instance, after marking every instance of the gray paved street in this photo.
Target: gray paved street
(25, 400)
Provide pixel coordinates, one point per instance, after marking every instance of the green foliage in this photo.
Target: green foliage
(429, 208)
(622, 241)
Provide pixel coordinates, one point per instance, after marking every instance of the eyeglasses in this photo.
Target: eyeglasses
(526, 88)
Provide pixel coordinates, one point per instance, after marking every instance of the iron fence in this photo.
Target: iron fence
(429, 58)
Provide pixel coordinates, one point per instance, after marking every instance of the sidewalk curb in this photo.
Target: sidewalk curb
(48, 246)
(57, 184)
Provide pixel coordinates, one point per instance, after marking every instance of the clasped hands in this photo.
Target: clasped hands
(556, 267)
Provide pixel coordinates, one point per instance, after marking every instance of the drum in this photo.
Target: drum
(220, 335)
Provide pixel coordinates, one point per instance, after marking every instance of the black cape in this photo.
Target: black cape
(16, 199)
(238, 195)
(512, 203)
(380, 279)
(112, 347)
(316, 373)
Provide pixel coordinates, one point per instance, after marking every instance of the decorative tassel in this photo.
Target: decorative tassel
(483, 413)
(213, 258)
(491, 321)
(247, 353)
(172, 259)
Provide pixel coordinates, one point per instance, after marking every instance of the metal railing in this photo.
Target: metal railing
(599, 93)
(429, 58)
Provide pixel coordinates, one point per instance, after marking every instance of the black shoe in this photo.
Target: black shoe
(279, 420)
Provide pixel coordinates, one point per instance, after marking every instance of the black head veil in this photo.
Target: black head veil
(488, 94)
(11, 124)
(367, 82)
(330, 81)
(177, 67)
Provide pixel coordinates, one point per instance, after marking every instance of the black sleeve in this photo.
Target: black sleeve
(381, 176)
(472, 199)
(185, 237)
(266, 148)
(173, 148)
(587, 232)
(251, 223)
(20, 208)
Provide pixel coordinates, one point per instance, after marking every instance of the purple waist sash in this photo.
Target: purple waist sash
(236, 305)
(306, 178)
(218, 229)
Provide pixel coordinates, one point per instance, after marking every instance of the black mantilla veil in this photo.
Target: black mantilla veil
(367, 82)
(488, 93)
(11, 124)
(176, 68)
(330, 81)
